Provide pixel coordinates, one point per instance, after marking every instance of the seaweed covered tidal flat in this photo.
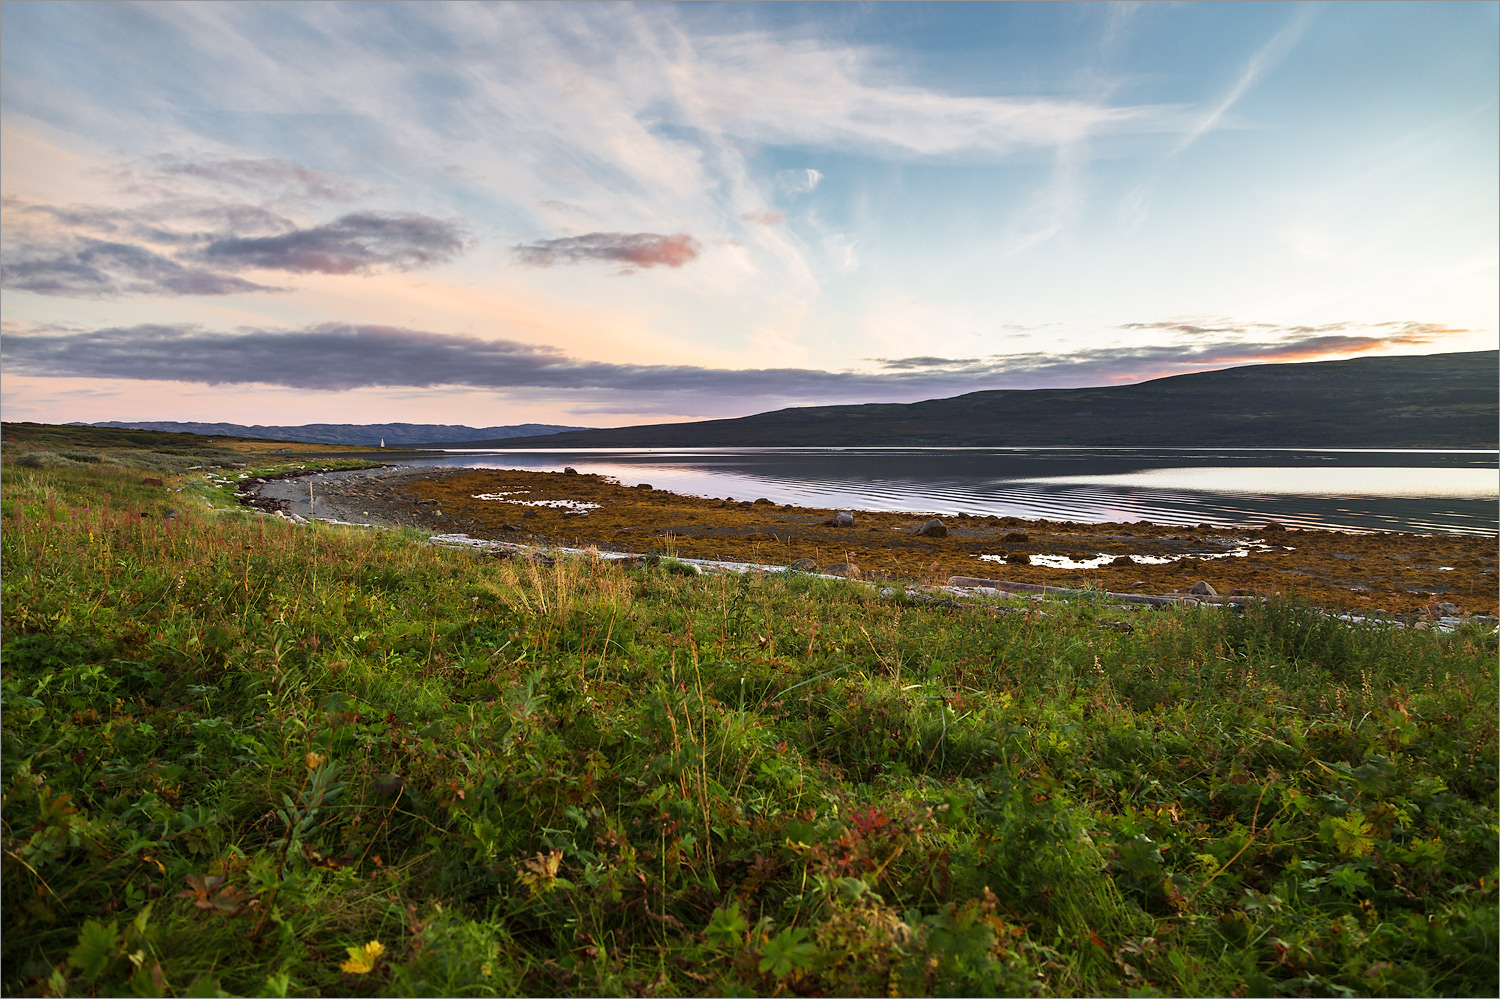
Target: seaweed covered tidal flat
(1404, 574)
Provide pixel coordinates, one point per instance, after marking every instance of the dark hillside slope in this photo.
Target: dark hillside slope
(1435, 400)
(394, 434)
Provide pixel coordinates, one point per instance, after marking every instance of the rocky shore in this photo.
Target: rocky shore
(1393, 573)
(373, 496)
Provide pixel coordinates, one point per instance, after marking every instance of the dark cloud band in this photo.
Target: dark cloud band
(194, 246)
(337, 356)
(100, 269)
(632, 250)
(354, 244)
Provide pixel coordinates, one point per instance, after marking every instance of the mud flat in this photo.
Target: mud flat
(1394, 573)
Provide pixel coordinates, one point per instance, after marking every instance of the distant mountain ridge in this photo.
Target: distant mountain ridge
(1431, 400)
(394, 434)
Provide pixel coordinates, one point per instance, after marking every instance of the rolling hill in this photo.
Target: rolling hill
(394, 434)
(1434, 400)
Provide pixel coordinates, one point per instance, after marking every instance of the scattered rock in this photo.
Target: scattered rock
(1016, 537)
(934, 528)
(1018, 558)
(529, 513)
(804, 565)
(1124, 627)
(1203, 589)
(570, 470)
(762, 502)
(509, 527)
(1449, 610)
(844, 518)
(150, 481)
(843, 569)
(1272, 528)
(645, 487)
(172, 514)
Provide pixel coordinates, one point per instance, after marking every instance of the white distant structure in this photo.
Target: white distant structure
(382, 442)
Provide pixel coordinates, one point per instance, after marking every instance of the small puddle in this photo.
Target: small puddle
(557, 504)
(1104, 558)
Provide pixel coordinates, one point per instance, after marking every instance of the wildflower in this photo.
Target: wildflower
(362, 959)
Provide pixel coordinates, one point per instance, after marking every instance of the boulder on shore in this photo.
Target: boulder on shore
(1203, 589)
(934, 528)
(844, 569)
(804, 565)
(844, 518)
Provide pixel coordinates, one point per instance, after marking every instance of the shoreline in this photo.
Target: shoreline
(1361, 573)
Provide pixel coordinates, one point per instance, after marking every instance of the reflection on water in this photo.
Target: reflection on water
(1418, 491)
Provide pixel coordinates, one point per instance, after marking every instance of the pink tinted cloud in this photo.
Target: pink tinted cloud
(764, 217)
(633, 250)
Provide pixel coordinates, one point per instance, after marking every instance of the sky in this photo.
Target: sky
(605, 215)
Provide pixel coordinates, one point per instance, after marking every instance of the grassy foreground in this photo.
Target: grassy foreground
(245, 757)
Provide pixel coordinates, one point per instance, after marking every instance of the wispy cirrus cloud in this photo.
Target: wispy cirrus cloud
(1264, 59)
(341, 357)
(271, 178)
(631, 250)
(803, 181)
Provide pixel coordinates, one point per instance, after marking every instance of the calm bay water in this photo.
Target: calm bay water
(1365, 490)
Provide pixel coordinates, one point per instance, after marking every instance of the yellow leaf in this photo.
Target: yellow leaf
(362, 959)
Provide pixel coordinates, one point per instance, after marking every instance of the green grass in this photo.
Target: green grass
(237, 752)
